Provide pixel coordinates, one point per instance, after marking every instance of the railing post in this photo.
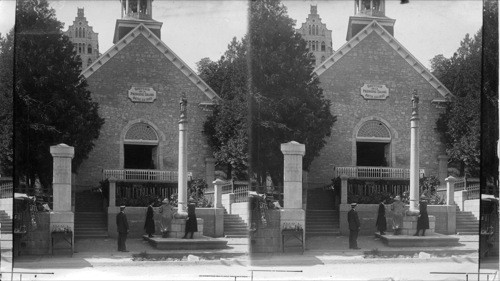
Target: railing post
(450, 190)
(112, 192)
(218, 183)
(343, 186)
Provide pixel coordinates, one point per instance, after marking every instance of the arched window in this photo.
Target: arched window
(322, 58)
(89, 62)
(373, 144)
(76, 33)
(83, 34)
(317, 30)
(79, 48)
(323, 47)
(323, 31)
(314, 47)
(309, 30)
(89, 49)
(141, 147)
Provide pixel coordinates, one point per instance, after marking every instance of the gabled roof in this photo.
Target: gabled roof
(377, 28)
(166, 51)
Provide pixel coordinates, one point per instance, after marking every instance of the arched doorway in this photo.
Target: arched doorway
(373, 144)
(140, 147)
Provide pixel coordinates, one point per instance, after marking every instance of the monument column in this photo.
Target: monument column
(293, 216)
(61, 217)
(182, 174)
(414, 154)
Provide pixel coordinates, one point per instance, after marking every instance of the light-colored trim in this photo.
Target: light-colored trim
(405, 54)
(141, 29)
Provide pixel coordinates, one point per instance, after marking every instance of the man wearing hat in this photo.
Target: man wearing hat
(122, 227)
(354, 225)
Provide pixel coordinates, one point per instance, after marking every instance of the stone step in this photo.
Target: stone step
(186, 244)
(236, 236)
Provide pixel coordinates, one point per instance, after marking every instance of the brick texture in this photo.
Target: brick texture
(142, 64)
(374, 61)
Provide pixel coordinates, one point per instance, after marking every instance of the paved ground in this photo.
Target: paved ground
(325, 258)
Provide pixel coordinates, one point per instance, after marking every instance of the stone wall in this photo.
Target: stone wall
(213, 221)
(445, 218)
(37, 242)
(142, 64)
(374, 61)
(267, 239)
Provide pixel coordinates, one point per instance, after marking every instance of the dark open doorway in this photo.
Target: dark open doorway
(375, 154)
(139, 156)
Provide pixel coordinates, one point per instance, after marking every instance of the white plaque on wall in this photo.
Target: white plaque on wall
(374, 92)
(142, 94)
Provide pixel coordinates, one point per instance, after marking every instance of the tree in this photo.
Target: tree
(489, 102)
(51, 102)
(460, 124)
(285, 98)
(6, 88)
(227, 128)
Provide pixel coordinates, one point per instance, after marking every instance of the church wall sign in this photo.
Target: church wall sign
(142, 94)
(374, 92)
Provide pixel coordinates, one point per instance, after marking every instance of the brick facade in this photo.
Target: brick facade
(373, 60)
(140, 63)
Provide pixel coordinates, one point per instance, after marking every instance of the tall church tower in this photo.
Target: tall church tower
(135, 12)
(84, 39)
(317, 36)
(366, 11)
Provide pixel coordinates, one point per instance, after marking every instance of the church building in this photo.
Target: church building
(85, 40)
(317, 36)
(370, 81)
(138, 84)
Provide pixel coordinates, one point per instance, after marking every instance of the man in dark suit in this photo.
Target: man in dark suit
(354, 225)
(122, 226)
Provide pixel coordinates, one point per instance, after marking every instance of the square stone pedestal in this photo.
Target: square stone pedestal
(178, 228)
(410, 225)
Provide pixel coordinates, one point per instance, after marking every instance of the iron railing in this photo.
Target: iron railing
(374, 172)
(241, 194)
(6, 190)
(143, 175)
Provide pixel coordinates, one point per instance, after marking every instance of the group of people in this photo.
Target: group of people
(165, 214)
(398, 210)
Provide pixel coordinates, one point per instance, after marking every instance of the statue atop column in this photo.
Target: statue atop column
(414, 102)
(183, 107)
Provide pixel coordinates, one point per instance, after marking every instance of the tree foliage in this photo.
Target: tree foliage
(460, 124)
(6, 112)
(489, 104)
(227, 128)
(51, 102)
(287, 103)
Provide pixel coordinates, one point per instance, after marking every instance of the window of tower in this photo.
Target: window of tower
(309, 30)
(83, 34)
(314, 47)
(323, 32)
(76, 33)
(133, 5)
(322, 58)
(317, 30)
(89, 49)
(89, 62)
(323, 47)
(79, 48)
(143, 6)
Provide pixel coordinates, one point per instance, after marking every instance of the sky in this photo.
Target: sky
(198, 29)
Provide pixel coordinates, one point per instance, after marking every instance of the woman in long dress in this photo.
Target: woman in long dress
(191, 223)
(166, 216)
(423, 217)
(397, 208)
(381, 223)
(149, 224)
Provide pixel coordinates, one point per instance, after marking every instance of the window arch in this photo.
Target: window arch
(141, 132)
(373, 130)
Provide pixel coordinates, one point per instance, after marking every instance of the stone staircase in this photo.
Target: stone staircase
(467, 223)
(322, 222)
(90, 218)
(321, 218)
(6, 222)
(234, 226)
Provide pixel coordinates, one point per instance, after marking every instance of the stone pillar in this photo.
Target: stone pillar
(62, 216)
(414, 154)
(450, 190)
(182, 175)
(293, 214)
(210, 172)
(343, 190)
(112, 192)
(218, 183)
(443, 169)
(292, 182)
